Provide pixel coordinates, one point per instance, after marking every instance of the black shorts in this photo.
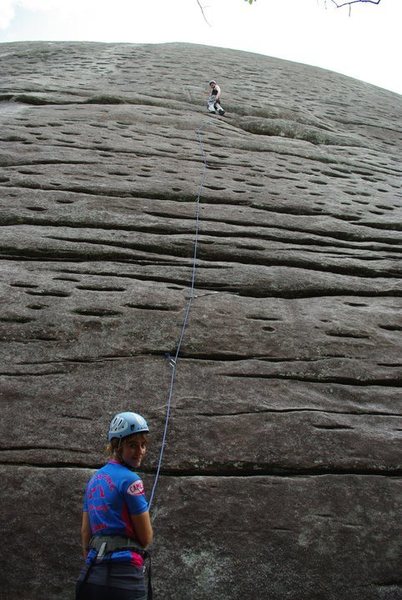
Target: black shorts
(113, 581)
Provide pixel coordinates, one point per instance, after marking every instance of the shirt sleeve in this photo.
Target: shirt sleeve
(134, 495)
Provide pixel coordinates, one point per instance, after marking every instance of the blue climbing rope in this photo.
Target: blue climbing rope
(173, 360)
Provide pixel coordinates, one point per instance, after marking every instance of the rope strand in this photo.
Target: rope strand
(174, 361)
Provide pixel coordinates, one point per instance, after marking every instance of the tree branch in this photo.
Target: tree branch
(339, 5)
(203, 14)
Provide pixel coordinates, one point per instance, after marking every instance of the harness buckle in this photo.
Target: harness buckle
(102, 550)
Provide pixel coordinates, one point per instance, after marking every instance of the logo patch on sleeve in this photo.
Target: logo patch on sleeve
(136, 488)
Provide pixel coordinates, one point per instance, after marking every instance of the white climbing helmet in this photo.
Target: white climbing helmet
(212, 81)
(127, 423)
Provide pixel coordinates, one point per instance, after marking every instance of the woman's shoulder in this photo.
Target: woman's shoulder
(125, 475)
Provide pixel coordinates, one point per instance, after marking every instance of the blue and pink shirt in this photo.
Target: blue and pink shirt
(113, 494)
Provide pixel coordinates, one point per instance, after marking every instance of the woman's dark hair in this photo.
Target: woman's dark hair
(113, 446)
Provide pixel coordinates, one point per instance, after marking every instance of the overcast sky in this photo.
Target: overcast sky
(366, 45)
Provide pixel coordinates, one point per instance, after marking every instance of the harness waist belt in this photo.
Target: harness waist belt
(111, 543)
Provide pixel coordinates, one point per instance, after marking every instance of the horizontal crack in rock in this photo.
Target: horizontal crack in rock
(226, 472)
(324, 379)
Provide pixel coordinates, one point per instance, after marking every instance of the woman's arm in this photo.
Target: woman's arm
(143, 528)
(85, 533)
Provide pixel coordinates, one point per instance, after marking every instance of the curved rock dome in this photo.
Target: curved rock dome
(281, 475)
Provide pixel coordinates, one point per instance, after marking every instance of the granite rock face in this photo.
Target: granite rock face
(282, 471)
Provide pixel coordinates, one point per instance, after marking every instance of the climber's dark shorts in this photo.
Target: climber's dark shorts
(113, 582)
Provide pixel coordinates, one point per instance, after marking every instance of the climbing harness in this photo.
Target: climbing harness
(103, 544)
(112, 543)
(82, 581)
(173, 360)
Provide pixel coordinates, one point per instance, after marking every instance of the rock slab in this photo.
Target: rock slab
(282, 472)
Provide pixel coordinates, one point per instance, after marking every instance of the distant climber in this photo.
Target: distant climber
(214, 105)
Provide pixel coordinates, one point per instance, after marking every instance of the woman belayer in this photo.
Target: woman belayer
(116, 527)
